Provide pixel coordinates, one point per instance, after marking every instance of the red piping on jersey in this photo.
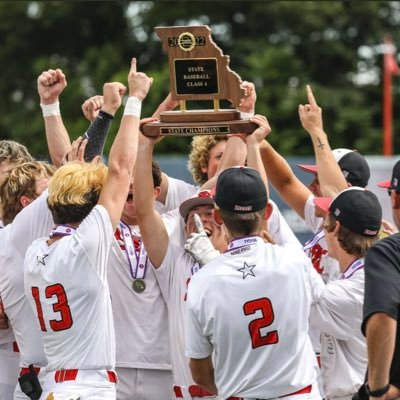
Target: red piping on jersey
(301, 391)
(197, 391)
(71, 374)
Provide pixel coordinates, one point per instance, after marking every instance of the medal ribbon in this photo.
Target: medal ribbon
(238, 243)
(137, 259)
(62, 230)
(352, 268)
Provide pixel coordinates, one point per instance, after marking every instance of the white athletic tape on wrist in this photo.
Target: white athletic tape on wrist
(133, 107)
(51, 109)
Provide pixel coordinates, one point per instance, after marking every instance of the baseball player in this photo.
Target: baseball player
(235, 308)
(11, 153)
(164, 240)
(65, 275)
(25, 220)
(143, 365)
(344, 168)
(351, 226)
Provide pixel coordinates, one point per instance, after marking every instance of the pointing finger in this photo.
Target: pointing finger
(198, 223)
(133, 65)
(311, 98)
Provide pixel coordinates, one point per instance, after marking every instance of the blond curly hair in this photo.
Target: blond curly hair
(199, 155)
(18, 182)
(13, 153)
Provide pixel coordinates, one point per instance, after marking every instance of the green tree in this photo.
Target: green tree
(279, 45)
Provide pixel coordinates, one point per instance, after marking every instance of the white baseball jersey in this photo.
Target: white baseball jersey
(32, 222)
(317, 248)
(250, 308)
(338, 314)
(173, 276)
(144, 313)
(279, 228)
(140, 319)
(66, 284)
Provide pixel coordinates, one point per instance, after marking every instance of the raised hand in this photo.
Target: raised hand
(92, 106)
(248, 102)
(113, 92)
(261, 132)
(139, 83)
(50, 85)
(199, 245)
(311, 115)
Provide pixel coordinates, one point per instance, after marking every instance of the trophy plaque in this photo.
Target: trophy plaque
(198, 71)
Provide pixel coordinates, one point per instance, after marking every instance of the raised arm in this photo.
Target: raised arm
(50, 85)
(290, 188)
(123, 151)
(330, 176)
(101, 117)
(152, 228)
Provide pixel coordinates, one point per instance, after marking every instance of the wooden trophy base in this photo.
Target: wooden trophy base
(199, 122)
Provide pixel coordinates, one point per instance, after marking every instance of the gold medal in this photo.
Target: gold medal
(138, 285)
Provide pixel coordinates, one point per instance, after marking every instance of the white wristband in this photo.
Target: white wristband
(245, 115)
(133, 107)
(51, 109)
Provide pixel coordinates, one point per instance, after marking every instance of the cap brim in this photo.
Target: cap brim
(385, 184)
(188, 204)
(308, 168)
(323, 203)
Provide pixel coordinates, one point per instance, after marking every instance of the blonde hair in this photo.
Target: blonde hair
(18, 182)
(74, 191)
(14, 152)
(199, 155)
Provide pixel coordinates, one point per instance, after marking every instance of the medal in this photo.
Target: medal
(139, 286)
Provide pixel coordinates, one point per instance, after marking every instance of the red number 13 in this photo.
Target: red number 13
(61, 306)
(255, 326)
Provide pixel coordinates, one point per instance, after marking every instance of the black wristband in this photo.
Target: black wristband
(106, 114)
(377, 392)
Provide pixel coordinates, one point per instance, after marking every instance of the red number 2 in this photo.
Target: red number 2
(255, 326)
(61, 306)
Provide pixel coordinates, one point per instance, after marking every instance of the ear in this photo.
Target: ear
(395, 198)
(25, 201)
(217, 217)
(336, 230)
(204, 169)
(157, 191)
(268, 211)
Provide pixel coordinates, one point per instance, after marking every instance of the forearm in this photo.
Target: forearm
(234, 154)
(124, 149)
(281, 176)
(97, 135)
(381, 333)
(331, 178)
(254, 160)
(144, 188)
(57, 137)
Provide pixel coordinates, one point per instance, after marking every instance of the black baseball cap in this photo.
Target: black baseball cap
(394, 183)
(241, 190)
(356, 208)
(353, 165)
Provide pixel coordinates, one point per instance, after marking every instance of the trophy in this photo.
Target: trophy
(198, 71)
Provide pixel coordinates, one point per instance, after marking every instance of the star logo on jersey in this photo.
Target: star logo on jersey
(40, 259)
(247, 270)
